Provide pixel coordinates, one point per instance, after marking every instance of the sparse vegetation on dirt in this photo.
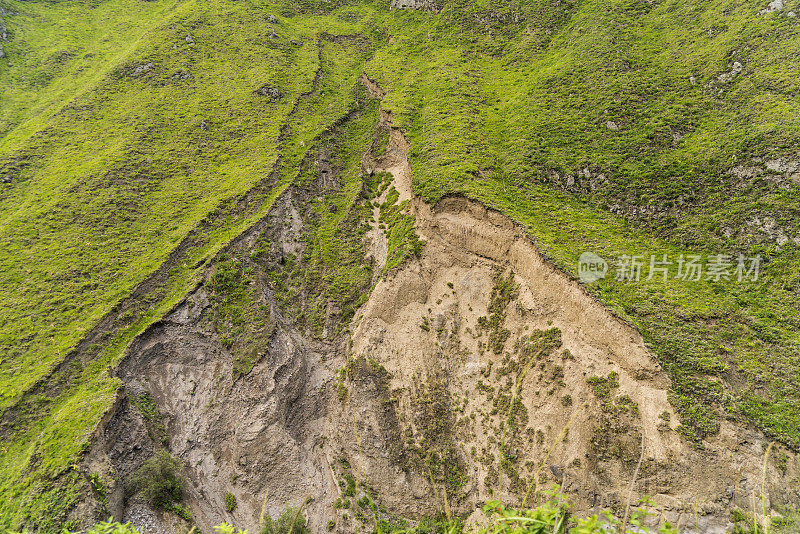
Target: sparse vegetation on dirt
(403, 242)
(146, 405)
(503, 291)
(241, 318)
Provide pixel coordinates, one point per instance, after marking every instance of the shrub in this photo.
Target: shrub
(230, 502)
(159, 480)
(349, 485)
(181, 511)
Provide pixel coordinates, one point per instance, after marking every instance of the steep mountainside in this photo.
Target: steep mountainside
(299, 244)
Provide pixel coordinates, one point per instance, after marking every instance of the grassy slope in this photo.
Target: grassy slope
(122, 175)
(116, 175)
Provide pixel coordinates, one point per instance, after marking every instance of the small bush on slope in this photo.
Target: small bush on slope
(159, 480)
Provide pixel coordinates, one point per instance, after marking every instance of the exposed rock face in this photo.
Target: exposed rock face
(774, 5)
(267, 90)
(736, 69)
(247, 436)
(3, 34)
(421, 5)
(474, 352)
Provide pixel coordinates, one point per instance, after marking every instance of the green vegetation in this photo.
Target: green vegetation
(111, 527)
(381, 141)
(159, 481)
(602, 387)
(403, 242)
(99, 490)
(504, 290)
(323, 288)
(138, 138)
(230, 502)
(554, 516)
(349, 485)
(241, 319)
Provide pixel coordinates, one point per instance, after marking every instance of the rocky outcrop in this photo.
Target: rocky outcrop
(420, 5)
(3, 34)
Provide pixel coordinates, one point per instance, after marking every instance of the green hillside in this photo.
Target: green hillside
(137, 138)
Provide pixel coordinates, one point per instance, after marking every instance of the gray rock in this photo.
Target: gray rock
(141, 69)
(273, 19)
(557, 471)
(775, 5)
(611, 125)
(273, 93)
(420, 5)
(2, 53)
(181, 75)
(736, 69)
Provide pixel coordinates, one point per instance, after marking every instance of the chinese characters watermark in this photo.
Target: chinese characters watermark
(663, 267)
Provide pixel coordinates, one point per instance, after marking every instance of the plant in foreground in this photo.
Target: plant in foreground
(555, 517)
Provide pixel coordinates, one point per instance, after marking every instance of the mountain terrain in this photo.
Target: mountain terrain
(328, 255)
